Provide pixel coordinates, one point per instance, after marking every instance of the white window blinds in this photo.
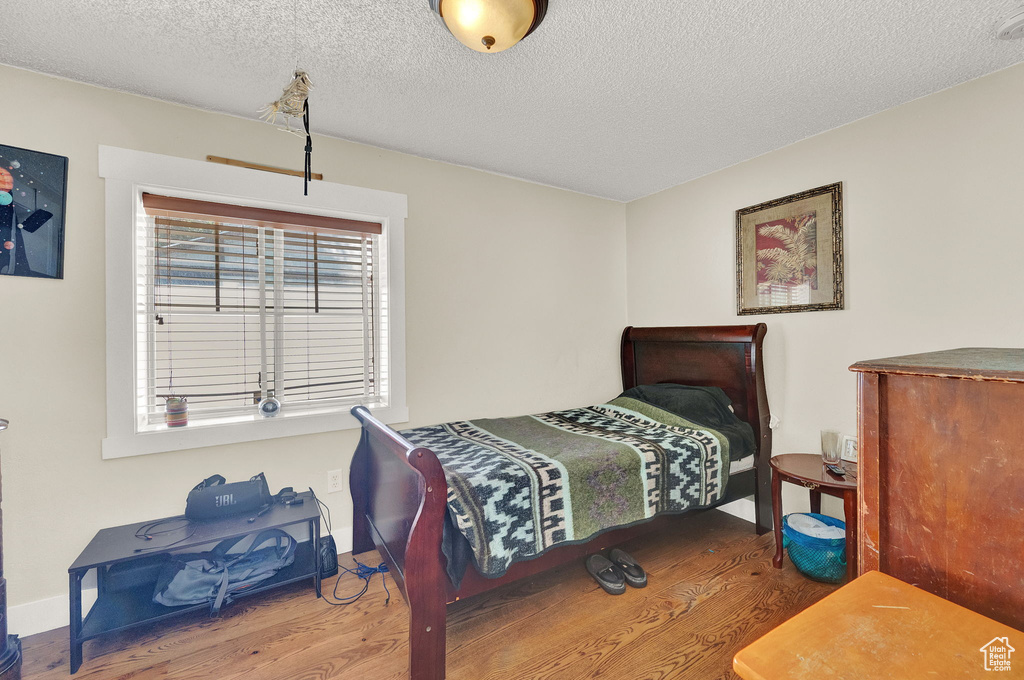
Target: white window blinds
(237, 303)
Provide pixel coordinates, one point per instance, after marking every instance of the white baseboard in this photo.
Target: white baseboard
(53, 612)
(43, 615)
(742, 508)
(343, 539)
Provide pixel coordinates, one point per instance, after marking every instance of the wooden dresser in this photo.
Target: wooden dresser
(942, 475)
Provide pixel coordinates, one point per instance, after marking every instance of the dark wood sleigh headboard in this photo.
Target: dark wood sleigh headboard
(729, 357)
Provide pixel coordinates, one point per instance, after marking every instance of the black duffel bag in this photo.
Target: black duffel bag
(213, 499)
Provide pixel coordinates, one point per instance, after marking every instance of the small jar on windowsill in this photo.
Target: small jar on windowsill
(176, 410)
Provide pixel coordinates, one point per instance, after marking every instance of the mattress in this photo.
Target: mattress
(520, 486)
(741, 465)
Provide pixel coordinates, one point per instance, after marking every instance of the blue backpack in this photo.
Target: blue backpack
(216, 576)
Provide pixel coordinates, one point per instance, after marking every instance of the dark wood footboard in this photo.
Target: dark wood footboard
(399, 496)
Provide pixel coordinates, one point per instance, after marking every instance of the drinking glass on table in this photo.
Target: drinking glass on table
(831, 446)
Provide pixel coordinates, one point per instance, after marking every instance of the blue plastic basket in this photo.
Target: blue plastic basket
(820, 559)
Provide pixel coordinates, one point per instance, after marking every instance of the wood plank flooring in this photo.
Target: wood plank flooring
(712, 591)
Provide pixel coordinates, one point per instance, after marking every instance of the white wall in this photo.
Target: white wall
(515, 296)
(934, 238)
(515, 301)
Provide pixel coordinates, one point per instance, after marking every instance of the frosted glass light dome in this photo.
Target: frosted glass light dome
(490, 25)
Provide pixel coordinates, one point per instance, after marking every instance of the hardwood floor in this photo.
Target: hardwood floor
(711, 592)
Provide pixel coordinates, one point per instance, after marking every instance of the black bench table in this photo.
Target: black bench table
(118, 610)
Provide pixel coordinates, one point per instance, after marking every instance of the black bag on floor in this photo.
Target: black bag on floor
(215, 576)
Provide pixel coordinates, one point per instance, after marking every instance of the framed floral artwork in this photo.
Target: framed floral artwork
(789, 253)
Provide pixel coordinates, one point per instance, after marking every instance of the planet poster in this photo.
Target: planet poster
(33, 187)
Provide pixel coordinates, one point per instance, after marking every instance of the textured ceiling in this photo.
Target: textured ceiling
(616, 99)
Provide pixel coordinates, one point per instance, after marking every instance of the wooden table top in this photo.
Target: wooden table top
(879, 627)
(809, 467)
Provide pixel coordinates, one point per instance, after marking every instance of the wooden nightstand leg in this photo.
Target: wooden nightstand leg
(777, 516)
(816, 502)
(850, 511)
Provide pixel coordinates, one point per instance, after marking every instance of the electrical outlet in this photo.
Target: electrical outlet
(334, 480)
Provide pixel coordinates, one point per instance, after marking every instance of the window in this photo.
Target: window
(237, 304)
(223, 298)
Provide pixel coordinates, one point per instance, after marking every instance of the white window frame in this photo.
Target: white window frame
(128, 173)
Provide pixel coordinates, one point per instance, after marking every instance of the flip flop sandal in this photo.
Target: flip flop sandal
(607, 575)
(633, 572)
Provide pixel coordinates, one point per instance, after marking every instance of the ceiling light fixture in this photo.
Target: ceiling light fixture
(1012, 27)
(490, 25)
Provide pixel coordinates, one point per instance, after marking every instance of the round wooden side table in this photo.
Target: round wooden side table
(808, 471)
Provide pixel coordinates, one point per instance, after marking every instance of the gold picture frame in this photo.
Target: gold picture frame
(789, 253)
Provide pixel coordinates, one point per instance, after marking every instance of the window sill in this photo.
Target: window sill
(254, 429)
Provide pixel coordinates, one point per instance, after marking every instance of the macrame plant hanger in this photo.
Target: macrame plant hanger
(294, 103)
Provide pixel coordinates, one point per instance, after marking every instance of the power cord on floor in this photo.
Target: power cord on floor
(362, 571)
(365, 573)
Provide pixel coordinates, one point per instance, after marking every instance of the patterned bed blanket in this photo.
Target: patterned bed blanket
(518, 486)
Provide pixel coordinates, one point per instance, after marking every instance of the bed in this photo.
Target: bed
(400, 493)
